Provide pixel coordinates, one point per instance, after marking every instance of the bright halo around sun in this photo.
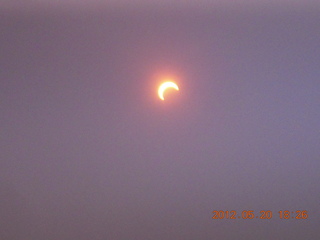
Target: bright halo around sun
(164, 86)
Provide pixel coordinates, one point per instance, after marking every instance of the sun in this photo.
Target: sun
(164, 86)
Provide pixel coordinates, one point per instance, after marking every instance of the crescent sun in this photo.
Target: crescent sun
(164, 86)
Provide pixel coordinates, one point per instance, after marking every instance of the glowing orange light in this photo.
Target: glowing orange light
(164, 86)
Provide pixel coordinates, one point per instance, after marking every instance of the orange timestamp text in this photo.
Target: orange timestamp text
(250, 214)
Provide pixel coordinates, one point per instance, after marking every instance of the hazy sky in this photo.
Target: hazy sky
(88, 151)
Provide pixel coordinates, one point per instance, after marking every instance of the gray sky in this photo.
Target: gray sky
(88, 151)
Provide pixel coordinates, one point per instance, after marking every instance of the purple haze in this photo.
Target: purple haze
(88, 152)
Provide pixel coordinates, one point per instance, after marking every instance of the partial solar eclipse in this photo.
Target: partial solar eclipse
(164, 86)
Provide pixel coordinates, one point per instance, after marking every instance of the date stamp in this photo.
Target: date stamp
(264, 214)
